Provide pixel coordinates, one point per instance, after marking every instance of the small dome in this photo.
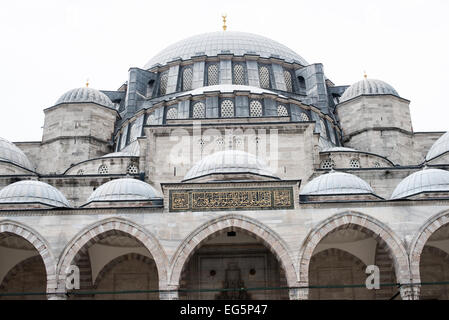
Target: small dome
(31, 191)
(439, 147)
(427, 180)
(9, 152)
(85, 95)
(334, 183)
(368, 87)
(227, 162)
(125, 189)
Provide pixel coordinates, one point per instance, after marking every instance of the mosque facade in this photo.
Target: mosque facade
(228, 167)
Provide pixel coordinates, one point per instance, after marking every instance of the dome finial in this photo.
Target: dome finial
(87, 83)
(365, 75)
(224, 21)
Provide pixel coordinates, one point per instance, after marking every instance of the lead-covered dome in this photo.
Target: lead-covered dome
(85, 95)
(11, 153)
(125, 189)
(426, 180)
(229, 162)
(25, 192)
(337, 183)
(440, 147)
(368, 87)
(225, 42)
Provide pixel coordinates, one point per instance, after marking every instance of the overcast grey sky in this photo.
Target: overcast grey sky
(49, 47)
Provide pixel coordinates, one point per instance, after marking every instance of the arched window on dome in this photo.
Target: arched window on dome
(103, 169)
(172, 113)
(255, 108)
(212, 75)
(288, 80)
(282, 111)
(199, 110)
(150, 88)
(323, 128)
(264, 77)
(132, 169)
(187, 77)
(354, 163)
(327, 164)
(239, 74)
(301, 83)
(227, 108)
(303, 117)
(163, 83)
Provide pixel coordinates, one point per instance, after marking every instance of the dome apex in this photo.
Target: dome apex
(85, 94)
(368, 87)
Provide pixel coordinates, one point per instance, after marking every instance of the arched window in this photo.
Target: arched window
(103, 169)
(301, 82)
(227, 109)
(80, 172)
(134, 132)
(354, 163)
(323, 128)
(255, 108)
(151, 119)
(264, 77)
(212, 75)
(163, 83)
(172, 113)
(187, 76)
(150, 88)
(288, 80)
(303, 117)
(239, 74)
(199, 110)
(132, 169)
(327, 164)
(282, 111)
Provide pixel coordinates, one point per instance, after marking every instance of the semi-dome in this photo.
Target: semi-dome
(337, 183)
(125, 189)
(31, 191)
(427, 180)
(225, 42)
(229, 162)
(440, 147)
(86, 95)
(10, 152)
(368, 87)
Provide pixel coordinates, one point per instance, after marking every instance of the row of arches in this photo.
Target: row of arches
(232, 251)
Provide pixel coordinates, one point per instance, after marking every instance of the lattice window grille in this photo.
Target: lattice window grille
(303, 117)
(212, 75)
(80, 172)
(151, 119)
(327, 164)
(376, 165)
(163, 83)
(282, 111)
(288, 80)
(264, 77)
(199, 110)
(187, 77)
(103, 169)
(172, 113)
(220, 141)
(227, 109)
(239, 74)
(354, 163)
(132, 169)
(255, 108)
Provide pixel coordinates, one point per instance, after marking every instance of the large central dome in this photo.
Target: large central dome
(225, 42)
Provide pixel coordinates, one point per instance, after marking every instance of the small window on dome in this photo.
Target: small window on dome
(377, 165)
(199, 110)
(288, 80)
(327, 164)
(103, 169)
(227, 109)
(282, 111)
(150, 88)
(302, 83)
(151, 119)
(132, 169)
(239, 74)
(255, 108)
(172, 113)
(163, 83)
(303, 117)
(80, 172)
(354, 163)
(212, 75)
(187, 76)
(264, 77)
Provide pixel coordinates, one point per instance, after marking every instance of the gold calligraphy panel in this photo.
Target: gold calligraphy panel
(242, 199)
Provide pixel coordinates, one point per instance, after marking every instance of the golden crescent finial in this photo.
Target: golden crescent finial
(224, 16)
(365, 75)
(87, 83)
